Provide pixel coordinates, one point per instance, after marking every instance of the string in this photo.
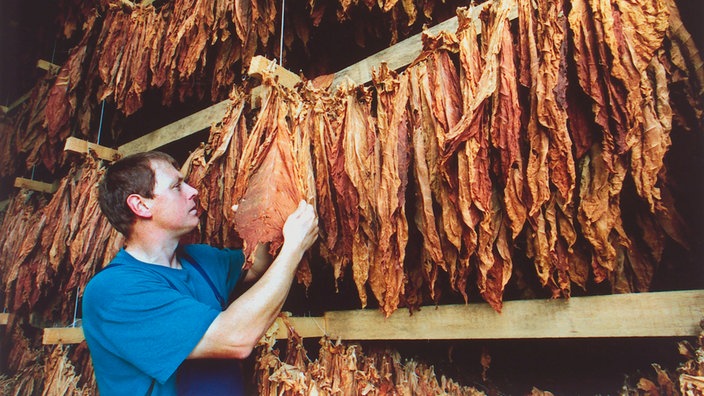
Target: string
(281, 43)
(75, 309)
(100, 125)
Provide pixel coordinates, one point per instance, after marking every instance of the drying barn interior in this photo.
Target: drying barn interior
(509, 193)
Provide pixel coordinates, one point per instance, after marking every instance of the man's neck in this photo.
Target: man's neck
(153, 250)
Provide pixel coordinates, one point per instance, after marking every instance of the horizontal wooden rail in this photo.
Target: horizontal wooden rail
(261, 65)
(34, 185)
(4, 319)
(405, 52)
(48, 66)
(396, 56)
(311, 327)
(657, 314)
(19, 101)
(42, 64)
(83, 147)
(62, 335)
(205, 118)
(180, 129)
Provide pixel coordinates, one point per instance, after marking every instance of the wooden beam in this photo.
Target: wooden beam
(658, 314)
(62, 335)
(261, 65)
(177, 130)
(19, 101)
(306, 327)
(4, 319)
(83, 147)
(44, 65)
(396, 56)
(404, 52)
(34, 185)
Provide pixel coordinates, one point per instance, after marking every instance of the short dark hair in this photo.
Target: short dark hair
(132, 174)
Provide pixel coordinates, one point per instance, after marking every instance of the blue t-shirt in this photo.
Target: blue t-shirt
(141, 320)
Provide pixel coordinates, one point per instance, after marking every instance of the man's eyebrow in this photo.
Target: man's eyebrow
(177, 181)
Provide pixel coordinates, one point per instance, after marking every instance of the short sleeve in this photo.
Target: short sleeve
(145, 320)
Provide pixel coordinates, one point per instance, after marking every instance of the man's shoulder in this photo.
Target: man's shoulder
(209, 252)
(115, 278)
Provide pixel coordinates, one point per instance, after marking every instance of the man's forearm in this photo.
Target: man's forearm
(239, 327)
(262, 261)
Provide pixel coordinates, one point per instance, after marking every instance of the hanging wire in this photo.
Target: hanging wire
(281, 42)
(75, 309)
(100, 124)
(53, 52)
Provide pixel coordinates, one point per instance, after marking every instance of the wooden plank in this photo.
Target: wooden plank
(45, 65)
(34, 185)
(661, 314)
(62, 335)
(83, 147)
(261, 65)
(177, 130)
(19, 101)
(306, 327)
(396, 56)
(4, 319)
(404, 52)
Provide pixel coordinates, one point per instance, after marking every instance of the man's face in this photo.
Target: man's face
(174, 206)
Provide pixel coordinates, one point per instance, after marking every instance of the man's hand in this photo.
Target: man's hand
(301, 228)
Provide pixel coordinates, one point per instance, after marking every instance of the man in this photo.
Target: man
(156, 319)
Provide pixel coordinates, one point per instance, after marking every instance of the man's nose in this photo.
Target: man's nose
(192, 191)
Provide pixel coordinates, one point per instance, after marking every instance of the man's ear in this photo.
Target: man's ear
(139, 205)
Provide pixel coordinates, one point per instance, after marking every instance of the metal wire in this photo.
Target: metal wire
(281, 43)
(100, 125)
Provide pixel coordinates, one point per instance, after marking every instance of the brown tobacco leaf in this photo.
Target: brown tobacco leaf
(506, 136)
(651, 145)
(436, 101)
(599, 213)
(272, 192)
(424, 145)
(387, 275)
(360, 148)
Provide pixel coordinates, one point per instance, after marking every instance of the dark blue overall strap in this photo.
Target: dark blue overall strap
(205, 276)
